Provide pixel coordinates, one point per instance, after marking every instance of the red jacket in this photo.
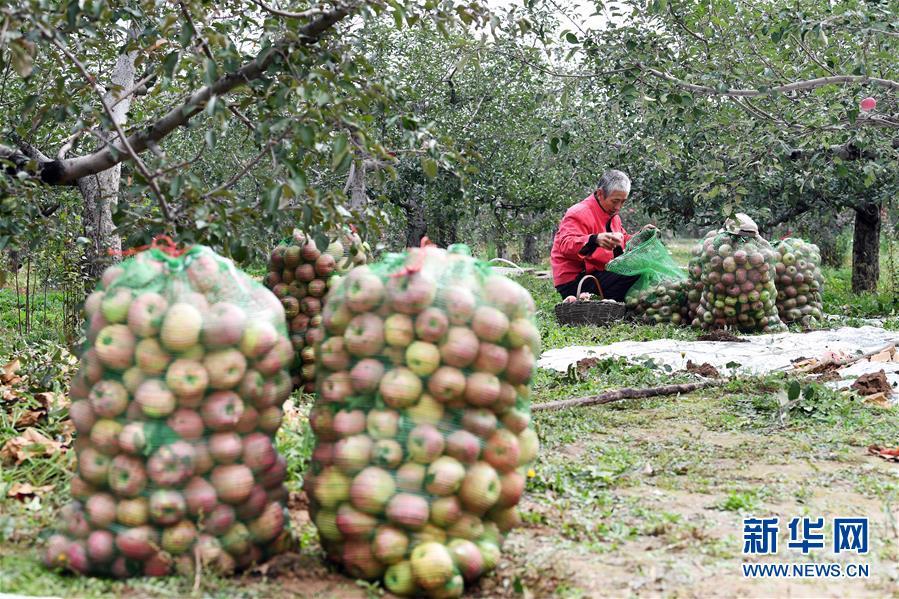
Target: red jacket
(580, 222)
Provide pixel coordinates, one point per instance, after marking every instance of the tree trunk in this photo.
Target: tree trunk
(355, 185)
(866, 248)
(501, 250)
(416, 223)
(529, 253)
(101, 191)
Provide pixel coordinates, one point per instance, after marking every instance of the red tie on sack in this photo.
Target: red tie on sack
(163, 243)
(415, 267)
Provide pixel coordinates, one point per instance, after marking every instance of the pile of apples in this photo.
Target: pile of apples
(799, 281)
(422, 420)
(737, 276)
(300, 274)
(665, 302)
(583, 297)
(176, 405)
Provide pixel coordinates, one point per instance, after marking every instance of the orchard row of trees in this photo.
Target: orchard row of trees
(228, 124)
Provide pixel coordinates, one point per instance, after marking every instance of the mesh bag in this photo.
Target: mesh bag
(738, 269)
(694, 276)
(799, 281)
(422, 420)
(176, 405)
(300, 274)
(659, 295)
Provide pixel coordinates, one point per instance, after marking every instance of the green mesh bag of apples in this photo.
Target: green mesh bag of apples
(300, 274)
(422, 422)
(660, 294)
(799, 282)
(176, 405)
(738, 269)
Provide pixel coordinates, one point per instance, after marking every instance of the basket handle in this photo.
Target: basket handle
(598, 286)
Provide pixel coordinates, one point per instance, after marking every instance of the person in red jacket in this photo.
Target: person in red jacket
(589, 237)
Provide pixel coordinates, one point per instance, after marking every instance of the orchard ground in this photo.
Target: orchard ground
(638, 498)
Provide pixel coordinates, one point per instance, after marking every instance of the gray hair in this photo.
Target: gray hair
(613, 181)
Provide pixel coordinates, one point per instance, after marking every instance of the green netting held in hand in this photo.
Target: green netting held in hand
(176, 406)
(300, 274)
(647, 257)
(422, 422)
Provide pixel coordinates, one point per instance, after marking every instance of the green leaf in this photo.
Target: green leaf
(793, 390)
(340, 150)
(429, 165)
(572, 38)
(306, 135)
(210, 73)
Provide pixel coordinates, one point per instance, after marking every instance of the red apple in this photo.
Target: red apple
(511, 489)
(353, 523)
(371, 489)
(80, 489)
(400, 388)
(127, 477)
(259, 337)
(410, 294)
(349, 422)
(254, 505)
(325, 265)
(108, 399)
(333, 354)
(167, 506)
(179, 538)
(390, 544)
(280, 356)
(364, 290)
(366, 375)
(447, 384)
(171, 465)
(55, 554)
(444, 476)
(145, 314)
(248, 422)
(138, 543)
(468, 526)
(489, 324)
(252, 386)
(223, 325)
(219, 520)
(508, 397)
(187, 424)
(133, 512)
(529, 445)
(467, 558)
(480, 489)
(93, 466)
(431, 325)
(482, 389)
(232, 482)
(502, 451)
(76, 557)
(446, 511)
(425, 444)
(311, 305)
(387, 453)
(505, 518)
(353, 453)
(459, 303)
(491, 358)
(226, 447)
(82, 416)
(258, 452)
(93, 302)
(133, 438)
(516, 420)
(114, 346)
(225, 367)
(336, 387)
(480, 421)
(75, 520)
(101, 510)
(460, 348)
(521, 366)
(382, 424)
(200, 497)
(204, 272)
(151, 358)
(100, 546)
(408, 510)
(410, 477)
(275, 474)
(364, 335)
(155, 399)
(188, 380)
(270, 420)
(203, 462)
(336, 316)
(222, 410)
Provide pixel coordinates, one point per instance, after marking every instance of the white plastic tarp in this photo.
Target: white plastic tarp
(760, 354)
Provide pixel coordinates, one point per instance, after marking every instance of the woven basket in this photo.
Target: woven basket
(589, 312)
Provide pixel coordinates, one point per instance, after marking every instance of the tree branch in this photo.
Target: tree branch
(312, 12)
(67, 172)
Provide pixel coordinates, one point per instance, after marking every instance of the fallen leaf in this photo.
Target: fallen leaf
(22, 491)
(9, 371)
(28, 418)
(8, 394)
(31, 443)
(878, 399)
(872, 383)
(50, 400)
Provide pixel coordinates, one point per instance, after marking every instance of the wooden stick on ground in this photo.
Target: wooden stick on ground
(824, 365)
(626, 393)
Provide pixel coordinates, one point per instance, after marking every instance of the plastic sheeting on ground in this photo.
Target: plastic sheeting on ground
(760, 354)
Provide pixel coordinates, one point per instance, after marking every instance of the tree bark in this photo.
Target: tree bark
(866, 248)
(101, 191)
(416, 223)
(355, 185)
(620, 394)
(529, 251)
